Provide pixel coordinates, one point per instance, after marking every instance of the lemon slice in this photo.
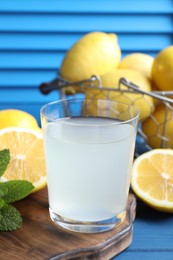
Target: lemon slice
(27, 160)
(152, 178)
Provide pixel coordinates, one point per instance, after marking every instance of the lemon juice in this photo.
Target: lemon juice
(88, 164)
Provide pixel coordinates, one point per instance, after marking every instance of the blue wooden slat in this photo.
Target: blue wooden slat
(85, 23)
(144, 42)
(30, 60)
(149, 255)
(62, 42)
(97, 6)
(152, 235)
(25, 95)
(37, 41)
(25, 78)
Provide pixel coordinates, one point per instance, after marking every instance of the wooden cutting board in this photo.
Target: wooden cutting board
(39, 238)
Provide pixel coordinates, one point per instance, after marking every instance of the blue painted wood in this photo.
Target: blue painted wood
(25, 78)
(63, 22)
(30, 60)
(152, 236)
(145, 255)
(96, 6)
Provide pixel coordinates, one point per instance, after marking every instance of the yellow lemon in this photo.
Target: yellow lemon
(162, 69)
(27, 160)
(94, 53)
(152, 178)
(19, 118)
(138, 61)
(159, 127)
(144, 104)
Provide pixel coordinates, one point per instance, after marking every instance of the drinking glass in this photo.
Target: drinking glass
(89, 149)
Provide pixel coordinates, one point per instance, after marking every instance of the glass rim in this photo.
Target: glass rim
(60, 119)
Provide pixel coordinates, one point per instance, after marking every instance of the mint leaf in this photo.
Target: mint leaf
(17, 190)
(10, 218)
(3, 190)
(4, 160)
(10, 191)
(2, 202)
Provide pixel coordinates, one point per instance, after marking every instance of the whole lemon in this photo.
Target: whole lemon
(19, 118)
(138, 61)
(94, 53)
(162, 69)
(159, 127)
(143, 103)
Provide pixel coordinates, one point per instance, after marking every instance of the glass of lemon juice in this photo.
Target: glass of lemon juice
(89, 149)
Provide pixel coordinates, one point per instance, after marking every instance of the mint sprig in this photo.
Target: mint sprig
(16, 190)
(4, 160)
(10, 218)
(11, 191)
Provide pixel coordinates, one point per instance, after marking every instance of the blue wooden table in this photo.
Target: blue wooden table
(152, 236)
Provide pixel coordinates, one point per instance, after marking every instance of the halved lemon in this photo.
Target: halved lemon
(27, 160)
(152, 178)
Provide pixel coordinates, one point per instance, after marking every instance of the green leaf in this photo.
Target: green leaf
(4, 160)
(10, 218)
(2, 203)
(17, 190)
(3, 190)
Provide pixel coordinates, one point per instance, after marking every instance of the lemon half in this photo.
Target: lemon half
(152, 179)
(27, 160)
